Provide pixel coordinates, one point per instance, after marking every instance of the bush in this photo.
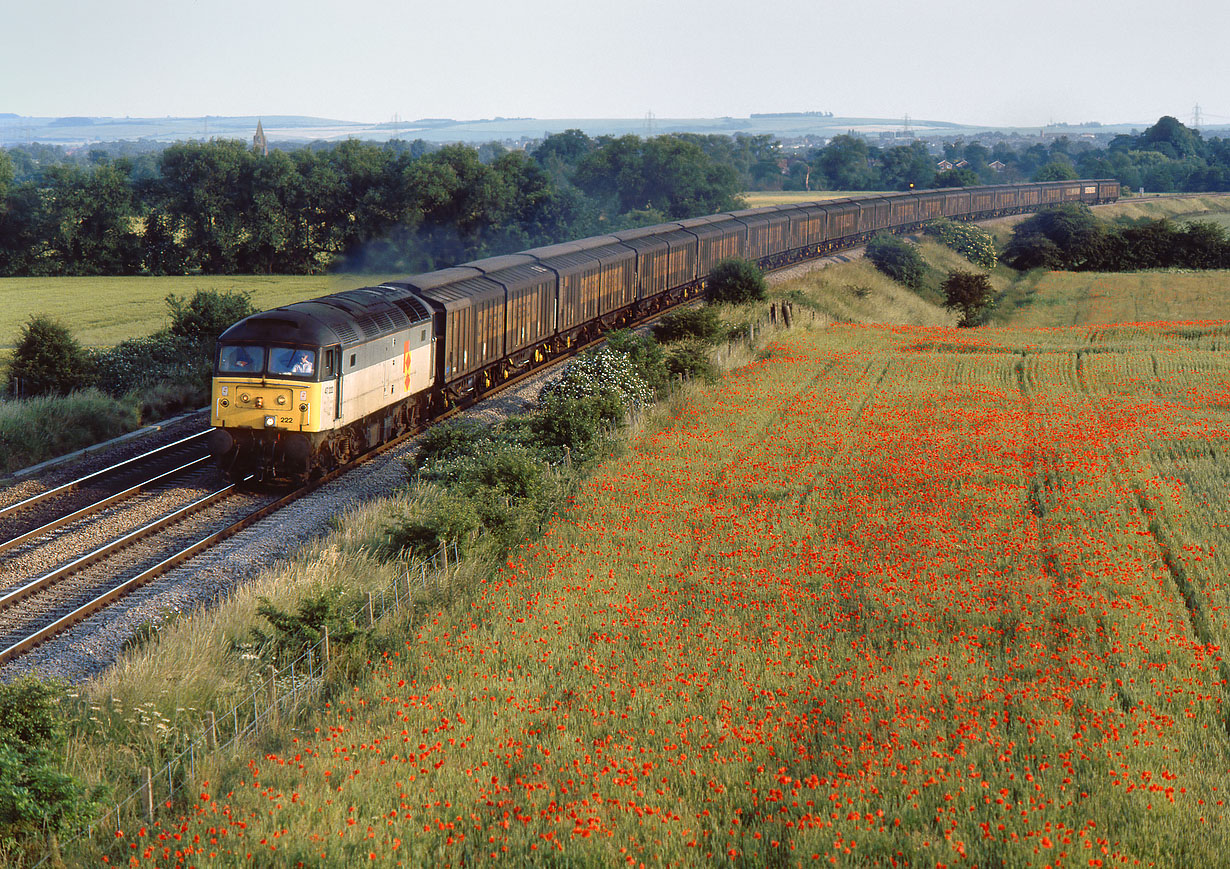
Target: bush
(970, 294)
(48, 360)
(1062, 236)
(37, 429)
(205, 316)
(443, 521)
(573, 425)
(702, 324)
(691, 359)
(968, 239)
(501, 488)
(34, 793)
(736, 281)
(645, 354)
(442, 443)
(598, 374)
(141, 363)
(291, 634)
(900, 261)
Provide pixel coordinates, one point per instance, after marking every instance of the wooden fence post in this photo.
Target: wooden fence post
(211, 730)
(273, 692)
(147, 794)
(326, 644)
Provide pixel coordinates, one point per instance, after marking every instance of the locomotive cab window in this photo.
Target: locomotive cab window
(330, 363)
(292, 362)
(240, 359)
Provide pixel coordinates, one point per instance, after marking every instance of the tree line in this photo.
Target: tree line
(219, 208)
(1071, 238)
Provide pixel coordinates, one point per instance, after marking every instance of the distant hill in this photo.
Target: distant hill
(78, 131)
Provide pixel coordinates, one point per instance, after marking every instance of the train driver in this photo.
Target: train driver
(304, 365)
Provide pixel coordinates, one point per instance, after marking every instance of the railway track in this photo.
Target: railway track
(68, 553)
(73, 500)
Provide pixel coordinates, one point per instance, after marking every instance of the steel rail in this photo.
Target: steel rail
(73, 484)
(98, 505)
(36, 585)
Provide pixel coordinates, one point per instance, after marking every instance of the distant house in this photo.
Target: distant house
(943, 166)
(996, 166)
(961, 164)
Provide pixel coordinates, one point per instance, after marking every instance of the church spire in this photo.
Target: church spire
(259, 143)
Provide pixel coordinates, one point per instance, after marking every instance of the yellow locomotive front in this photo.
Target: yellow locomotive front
(266, 407)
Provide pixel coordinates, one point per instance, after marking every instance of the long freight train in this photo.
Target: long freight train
(302, 388)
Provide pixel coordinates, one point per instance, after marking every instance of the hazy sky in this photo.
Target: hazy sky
(1020, 63)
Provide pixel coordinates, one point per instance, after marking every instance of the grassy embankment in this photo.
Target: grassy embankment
(887, 592)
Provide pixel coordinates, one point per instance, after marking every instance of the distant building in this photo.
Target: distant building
(943, 166)
(997, 166)
(259, 143)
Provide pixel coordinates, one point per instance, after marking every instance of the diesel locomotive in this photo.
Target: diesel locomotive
(300, 389)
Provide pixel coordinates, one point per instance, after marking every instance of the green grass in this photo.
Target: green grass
(103, 311)
(38, 429)
(1222, 218)
(759, 198)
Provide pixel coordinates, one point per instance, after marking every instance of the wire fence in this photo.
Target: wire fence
(278, 696)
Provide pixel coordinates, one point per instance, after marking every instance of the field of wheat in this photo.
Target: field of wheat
(889, 595)
(102, 311)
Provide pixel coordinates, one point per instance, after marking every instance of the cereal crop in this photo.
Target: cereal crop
(888, 596)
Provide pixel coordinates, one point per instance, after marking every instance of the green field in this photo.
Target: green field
(104, 311)
(760, 198)
(1050, 299)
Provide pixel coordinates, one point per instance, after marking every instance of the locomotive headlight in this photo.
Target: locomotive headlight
(224, 402)
(303, 408)
(271, 421)
(245, 398)
(281, 399)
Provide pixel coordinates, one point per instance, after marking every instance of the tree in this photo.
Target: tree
(956, 178)
(1172, 138)
(970, 294)
(900, 261)
(1055, 171)
(6, 177)
(48, 360)
(560, 153)
(907, 166)
(844, 162)
(735, 281)
(1061, 236)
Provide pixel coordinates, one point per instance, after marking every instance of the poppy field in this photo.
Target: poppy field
(886, 596)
